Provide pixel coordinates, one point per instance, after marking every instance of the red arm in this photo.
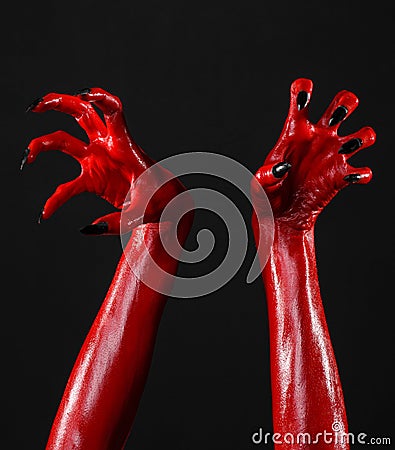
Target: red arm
(303, 172)
(104, 389)
(107, 381)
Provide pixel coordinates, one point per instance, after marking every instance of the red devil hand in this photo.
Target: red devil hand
(105, 386)
(308, 165)
(110, 162)
(303, 172)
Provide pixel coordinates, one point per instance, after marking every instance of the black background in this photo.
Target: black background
(193, 76)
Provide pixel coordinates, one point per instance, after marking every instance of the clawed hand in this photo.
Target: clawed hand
(308, 165)
(110, 163)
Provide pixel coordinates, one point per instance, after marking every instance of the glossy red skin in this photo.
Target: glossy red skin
(306, 389)
(107, 381)
(108, 378)
(110, 162)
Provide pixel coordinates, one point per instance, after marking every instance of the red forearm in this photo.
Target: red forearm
(306, 389)
(107, 381)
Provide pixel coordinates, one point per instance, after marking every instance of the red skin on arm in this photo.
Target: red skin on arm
(303, 172)
(104, 389)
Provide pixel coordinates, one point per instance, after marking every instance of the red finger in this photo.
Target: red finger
(111, 106)
(107, 102)
(59, 140)
(107, 225)
(353, 175)
(342, 106)
(358, 175)
(271, 175)
(352, 144)
(63, 193)
(301, 90)
(115, 223)
(83, 112)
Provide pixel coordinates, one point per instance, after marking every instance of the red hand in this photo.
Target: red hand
(103, 392)
(110, 163)
(303, 172)
(318, 156)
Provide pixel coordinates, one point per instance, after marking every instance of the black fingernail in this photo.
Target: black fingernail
(34, 104)
(97, 228)
(350, 146)
(280, 169)
(24, 158)
(83, 91)
(40, 217)
(338, 115)
(352, 178)
(302, 99)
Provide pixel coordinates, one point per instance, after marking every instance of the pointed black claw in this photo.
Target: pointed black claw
(83, 91)
(352, 178)
(302, 99)
(40, 217)
(350, 146)
(280, 169)
(34, 104)
(338, 115)
(95, 229)
(24, 158)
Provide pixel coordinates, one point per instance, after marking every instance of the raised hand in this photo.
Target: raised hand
(110, 162)
(303, 172)
(105, 386)
(308, 165)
